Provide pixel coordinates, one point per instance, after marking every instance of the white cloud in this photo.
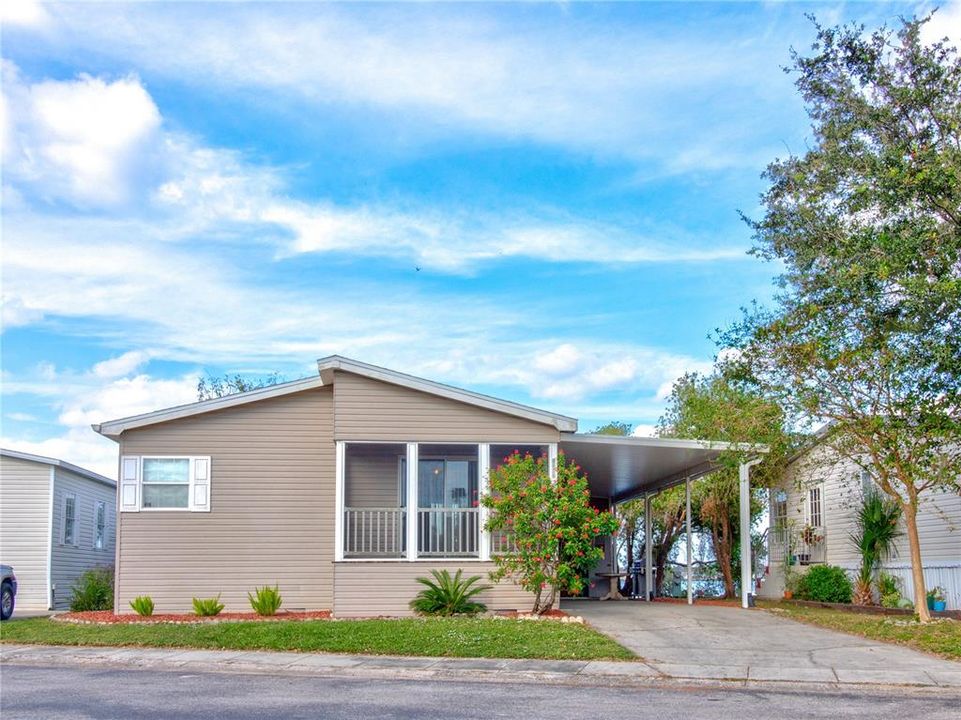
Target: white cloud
(594, 86)
(945, 23)
(62, 148)
(15, 313)
(21, 417)
(23, 13)
(563, 360)
(86, 398)
(121, 365)
(80, 140)
(644, 430)
(79, 446)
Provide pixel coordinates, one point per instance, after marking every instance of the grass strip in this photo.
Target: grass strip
(432, 637)
(941, 636)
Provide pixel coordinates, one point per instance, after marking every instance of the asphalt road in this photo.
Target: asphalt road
(75, 693)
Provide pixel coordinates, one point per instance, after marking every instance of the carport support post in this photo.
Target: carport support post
(687, 518)
(747, 576)
(648, 540)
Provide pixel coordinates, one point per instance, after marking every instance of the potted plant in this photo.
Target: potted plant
(810, 535)
(937, 600)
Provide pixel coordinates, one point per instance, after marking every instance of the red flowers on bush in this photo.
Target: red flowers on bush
(551, 522)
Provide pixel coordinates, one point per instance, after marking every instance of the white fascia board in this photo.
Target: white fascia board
(680, 443)
(54, 462)
(335, 362)
(113, 428)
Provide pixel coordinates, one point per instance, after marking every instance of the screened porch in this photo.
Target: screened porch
(380, 482)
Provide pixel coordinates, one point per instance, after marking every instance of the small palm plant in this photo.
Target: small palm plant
(142, 605)
(208, 607)
(446, 595)
(265, 600)
(876, 531)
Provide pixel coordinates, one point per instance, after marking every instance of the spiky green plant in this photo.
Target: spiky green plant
(208, 607)
(142, 605)
(265, 600)
(447, 595)
(875, 536)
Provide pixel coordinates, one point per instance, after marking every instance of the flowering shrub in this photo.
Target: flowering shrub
(551, 523)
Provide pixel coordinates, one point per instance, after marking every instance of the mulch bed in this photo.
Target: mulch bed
(517, 614)
(107, 617)
(721, 602)
(870, 609)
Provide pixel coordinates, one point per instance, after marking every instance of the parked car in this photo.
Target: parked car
(8, 591)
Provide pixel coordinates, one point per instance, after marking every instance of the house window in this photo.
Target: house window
(447, 514)
(100, 527)
(867, 482)
(375, 500)
(814, 518)
(70, 519)
(779, 509)
(166, 483)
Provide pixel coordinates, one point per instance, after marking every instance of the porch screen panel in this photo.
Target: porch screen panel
(448, 515)
(502, 542)
(375, 500)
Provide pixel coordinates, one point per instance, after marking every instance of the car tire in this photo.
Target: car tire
(6, 601)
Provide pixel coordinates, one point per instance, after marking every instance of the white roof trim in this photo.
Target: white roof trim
(684, 444)
(113, 428)
(562, 423)
(89, 474)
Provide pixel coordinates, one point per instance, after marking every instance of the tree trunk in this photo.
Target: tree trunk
(722, 553)
(910, 510)
(661, 556)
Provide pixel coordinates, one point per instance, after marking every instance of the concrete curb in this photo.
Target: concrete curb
(568, 672)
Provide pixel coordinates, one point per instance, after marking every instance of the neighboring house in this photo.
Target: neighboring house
(56, 521)
(812, 517)
(310, 485)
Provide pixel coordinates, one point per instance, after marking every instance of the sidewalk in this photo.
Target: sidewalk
(478, 669)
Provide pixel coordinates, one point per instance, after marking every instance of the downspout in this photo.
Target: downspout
(50, 542)
(747, 576)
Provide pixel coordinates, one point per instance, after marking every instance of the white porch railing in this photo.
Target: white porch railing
(502, 542)
(807, 548)
(375, 532)
(448, 532)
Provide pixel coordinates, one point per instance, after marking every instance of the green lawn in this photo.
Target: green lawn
(942, 637)
(450, 637)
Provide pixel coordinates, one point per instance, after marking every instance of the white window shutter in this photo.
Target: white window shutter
(129, 484)
(200, 484)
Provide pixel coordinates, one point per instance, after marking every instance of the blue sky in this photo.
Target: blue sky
(537, 201)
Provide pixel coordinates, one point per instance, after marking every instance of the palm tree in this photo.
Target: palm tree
(876, 530)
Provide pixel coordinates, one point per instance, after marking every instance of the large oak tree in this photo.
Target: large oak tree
(866, 332)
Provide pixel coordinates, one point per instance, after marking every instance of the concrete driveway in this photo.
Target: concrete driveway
(713, 642)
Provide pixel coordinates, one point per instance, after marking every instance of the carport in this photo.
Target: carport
(627, 468)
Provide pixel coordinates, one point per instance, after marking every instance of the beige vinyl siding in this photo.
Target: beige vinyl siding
(386, 588)
(25, 527)
(271, 518)
(939, 522)
(939, 513)
(374, 479)
(367, 409)
(68, 562)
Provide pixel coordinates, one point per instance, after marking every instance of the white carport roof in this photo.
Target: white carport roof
(622, 468)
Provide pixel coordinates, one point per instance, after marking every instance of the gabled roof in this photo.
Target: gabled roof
(113, 428)
(89, 474)
(326, 368)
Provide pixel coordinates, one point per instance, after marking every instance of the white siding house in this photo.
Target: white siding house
(56, 521)
(823, 494)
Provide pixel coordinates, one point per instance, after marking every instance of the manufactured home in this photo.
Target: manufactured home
(57, 520)
(343, 488)
(812, 517)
